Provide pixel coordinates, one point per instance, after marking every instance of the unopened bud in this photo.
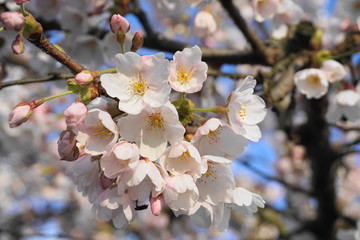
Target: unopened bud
(75, 114)
(20, 1)
(156, 203)
(119, 24)
(19, 114)
(137, 42)
(18, 45)
(12, 20)
(67, 148)
(84, 77)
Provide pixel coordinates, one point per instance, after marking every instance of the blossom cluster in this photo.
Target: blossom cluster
(143, 155)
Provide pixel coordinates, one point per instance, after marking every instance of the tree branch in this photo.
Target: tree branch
(51, 77)
(267, 177)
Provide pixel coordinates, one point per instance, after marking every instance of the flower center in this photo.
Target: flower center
(138, 85)
(314, 79)
(155, 121)
(184, 74)
(210, 173)
(184, 157)
(213, 136)
(242, 111)
(101, 131)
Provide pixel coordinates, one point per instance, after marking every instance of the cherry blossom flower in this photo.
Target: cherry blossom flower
(334, 70)
(264, 9)
(347, 104)
(119, 24)
(217, 138)
(140, 81)
(204, 24)
(246, 110)
(143, 181)
(312, 82)
(180, 193)
(98, 133)
(152, 129)
(120, 158)
(181, 158)
(217, 178)
(187, 71)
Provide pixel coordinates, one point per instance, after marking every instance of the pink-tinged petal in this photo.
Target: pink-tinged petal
(130, 127)
(116, 85)
(252, 132)
(132, 106)
(175, 133)
(128, 64)
(169, 111)
(253, 111)
(232, 143)
(157, 97)
(153, 143)
(246, 86)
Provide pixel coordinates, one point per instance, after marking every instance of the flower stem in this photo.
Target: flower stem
(110, 70)
(182, 97)
(122, 48)
(22, 9)
(56, 96)
(202, 109)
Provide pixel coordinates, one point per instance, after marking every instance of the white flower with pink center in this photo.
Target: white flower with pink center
(140, 81)
(142, 182)
(181, 158)
(334, 70)
(289, 12)
(312, 82)
(246, 110)
(204, 24)
(217, 138)
(152, 129)
(120, 158)
(346, 104)
(180, 193)
(98, 133)
(187, 71)
(217, 178)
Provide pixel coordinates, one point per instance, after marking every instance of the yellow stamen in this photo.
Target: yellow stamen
(101, 131)
(138, 85)
(155, 121)
(213, 136)
(314, 79)
(184, 74)
(184, 157)
(242, 111)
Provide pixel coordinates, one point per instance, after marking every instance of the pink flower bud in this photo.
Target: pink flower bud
(84, 77)
(18, 45)
(157, 203)
(19, 114)
(20, 1)
(75, 114)
(67, 148)
(137, 42)
(12, 20)
(119, 25)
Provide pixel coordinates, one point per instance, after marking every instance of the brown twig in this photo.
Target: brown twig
(51, 77)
